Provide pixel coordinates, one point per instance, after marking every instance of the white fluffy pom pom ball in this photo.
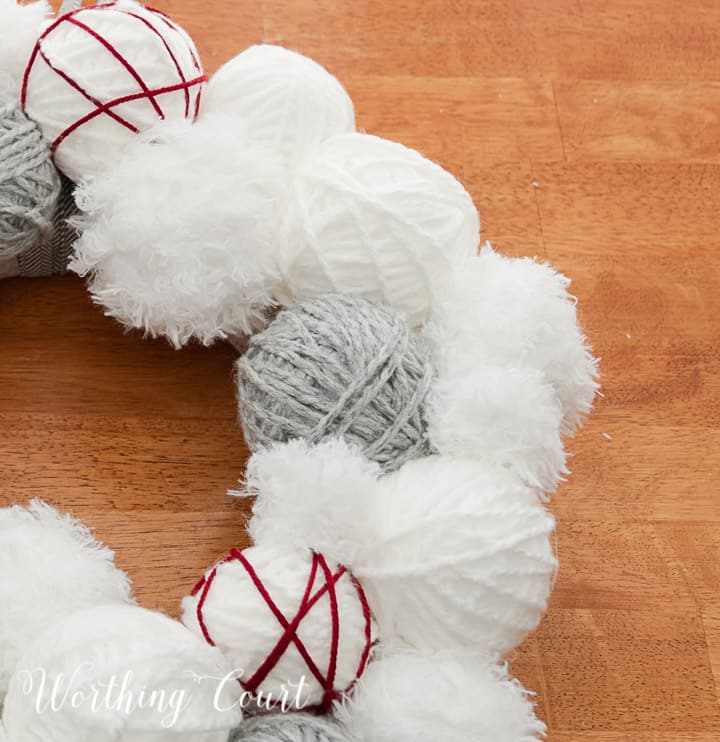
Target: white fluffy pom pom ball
(282, 98)
(178, 238)
(374, 218)
(99, 75)
(514, 312)
(461, 556)
(295, 627)
(121, 674)
(50, 566)
(313, 497)
(464, 699)
(501, 415)
(20, 26)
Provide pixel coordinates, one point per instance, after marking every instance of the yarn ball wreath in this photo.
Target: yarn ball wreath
(338, 366)
(295, 626)
(99, 75)
(29, 183)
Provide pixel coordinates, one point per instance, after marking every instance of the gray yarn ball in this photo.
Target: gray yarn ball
(338, 365)
(29, 183)
(294, 727)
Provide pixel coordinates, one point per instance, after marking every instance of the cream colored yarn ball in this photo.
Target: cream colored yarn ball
(460, 556)
(100, 75)
(282, 98)
(293, 625)
(93, 655)
(373, 218)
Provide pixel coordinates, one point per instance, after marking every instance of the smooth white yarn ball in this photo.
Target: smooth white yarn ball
(461, 555)
(283, 99)
(129, 62)
(50, 566)
(178, 238)
(230, 611)
(374, 218)
(143, 650)
(426, 697)
(20, 25)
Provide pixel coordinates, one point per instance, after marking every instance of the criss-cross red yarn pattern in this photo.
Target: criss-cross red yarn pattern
(290, 627)
(107, 108)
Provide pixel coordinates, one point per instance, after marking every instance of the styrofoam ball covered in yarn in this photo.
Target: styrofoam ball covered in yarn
(373, 218)
(50, 566)
(20, 26)
(461, 555)
(124, 674)
(515, 313)
(178, 238)
(99, 75)
(283, 99)
(296, 626)
(338, 366)
(448, 696)
(284, 727)
(29, 183)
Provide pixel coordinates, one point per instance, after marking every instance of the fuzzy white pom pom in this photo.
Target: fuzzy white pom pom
(178, 238)
(312, 497)
(466, 700)
(282, 98)
(502, 415)
(50, 566)
(20, 26)
(295, 626)
(515, 313)
(101, 74)
(122, 674)
(374, 218)
(461, 556)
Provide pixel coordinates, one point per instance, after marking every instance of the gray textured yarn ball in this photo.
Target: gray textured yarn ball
(292, 727)
(29, 183)
(338, 365)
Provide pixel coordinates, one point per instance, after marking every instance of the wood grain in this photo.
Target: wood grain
(587, 134)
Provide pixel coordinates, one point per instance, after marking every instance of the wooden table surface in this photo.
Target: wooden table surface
(588, 134)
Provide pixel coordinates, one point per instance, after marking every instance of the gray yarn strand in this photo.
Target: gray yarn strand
(291, 727)
(29, 184)
(52, 257)
(342, 366)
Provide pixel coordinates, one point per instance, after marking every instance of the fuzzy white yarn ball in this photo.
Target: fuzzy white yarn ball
(50, 566)
(514, 313)
(298, 621)
(283, 99)
(101, 660)
(20, 26)
(374, 218)
(101, 74)
(178, 237)
(465, 699)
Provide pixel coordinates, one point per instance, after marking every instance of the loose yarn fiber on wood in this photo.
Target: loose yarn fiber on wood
(338, 366)
(29, 184)
(99, 75)
(296, 727)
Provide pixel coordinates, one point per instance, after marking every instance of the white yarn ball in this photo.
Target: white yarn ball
(20, 26)
(178, 238)
(461, 556)
(374, 218)
(229, 610)
(50, 566)
(130, 67)
(516, 313)
(283, 99)
(121, 652)
(463, 699)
